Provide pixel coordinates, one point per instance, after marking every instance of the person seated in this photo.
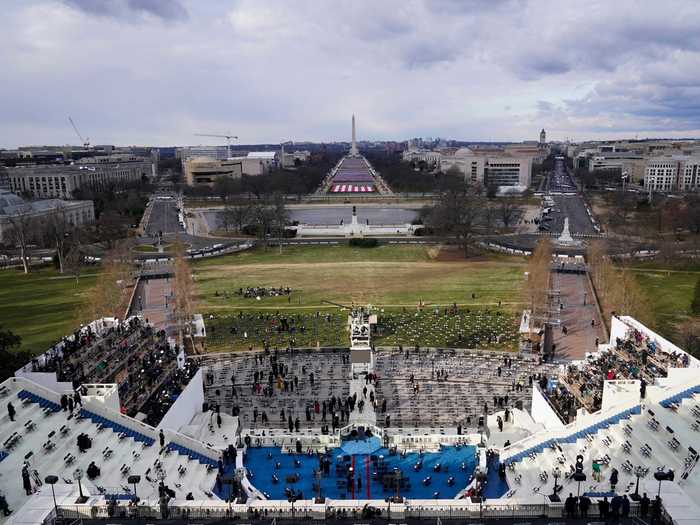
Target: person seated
(93, 471)
(189, 497)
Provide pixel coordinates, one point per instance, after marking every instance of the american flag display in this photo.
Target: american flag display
(351, 188)
(352, 176)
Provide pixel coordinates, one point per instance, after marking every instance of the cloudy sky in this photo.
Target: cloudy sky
(159, 71)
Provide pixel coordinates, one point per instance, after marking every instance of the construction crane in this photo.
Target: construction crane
(227, 137)
(84, 141)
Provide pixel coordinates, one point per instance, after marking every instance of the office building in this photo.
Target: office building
(672, 173)
(61, 181)
(259, 162)
(13, 207)
(203, 171)
(490, 167)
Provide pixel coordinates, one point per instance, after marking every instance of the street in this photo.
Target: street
(163, 218)
(567, 203)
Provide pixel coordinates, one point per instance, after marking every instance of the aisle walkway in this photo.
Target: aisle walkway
(576, 316)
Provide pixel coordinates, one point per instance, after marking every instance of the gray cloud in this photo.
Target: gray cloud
(271, 70)
(169, 10)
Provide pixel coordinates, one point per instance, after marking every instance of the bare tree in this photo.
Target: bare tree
(110, 297)
(693, 213)
(184, 289)
(458, 214)
(538, 278)
(280, 217)
(59, 229)
(24, 230)
(73, 260)
(236, 216)
(617, 288)
(508, 211)
(263, 218)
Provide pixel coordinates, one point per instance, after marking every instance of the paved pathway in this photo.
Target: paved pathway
(576, 317)
(154, 301)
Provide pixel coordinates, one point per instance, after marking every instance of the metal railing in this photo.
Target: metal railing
(308, 509)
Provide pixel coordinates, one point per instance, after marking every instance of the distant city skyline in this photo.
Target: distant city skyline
(157, 72)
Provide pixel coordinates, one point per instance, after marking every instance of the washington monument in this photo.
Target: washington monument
(353, 148)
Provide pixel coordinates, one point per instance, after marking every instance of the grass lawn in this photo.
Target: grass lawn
(470, 328)
(670, 291)
(41, 307)
(390, 277)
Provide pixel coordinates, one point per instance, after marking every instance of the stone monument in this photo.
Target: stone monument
(565, 238)
(353, 149)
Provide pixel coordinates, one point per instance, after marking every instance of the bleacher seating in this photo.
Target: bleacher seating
(472, 382)
(331, 370)
(49, 445)
(27, 396)
(191, 454)
(675, 399)
(116, 427)
(625, 442)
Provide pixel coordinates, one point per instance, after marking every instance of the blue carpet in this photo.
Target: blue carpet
(358, 447)
(495, 486)
(366, 467)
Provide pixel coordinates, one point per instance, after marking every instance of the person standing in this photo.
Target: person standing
(570, 506)
(11, 411)
(583, 504)
(613, 479)
(4, 507)
(644, 506)
(161, 437)
(625, 506)
(656, 510)
(26, 481)
(218, 420)
(604, 508)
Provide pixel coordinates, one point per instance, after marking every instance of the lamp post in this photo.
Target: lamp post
(579, 477)
(133, 480)
(660, 476)
(78, 475)
(556, 474)
(160, 474)
(318, 481)
(638, 472)
(397, 478)
(52, 480)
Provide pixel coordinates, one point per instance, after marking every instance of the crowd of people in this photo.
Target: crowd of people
(563, 401)
(282, 389)
(77, 357)
(612, 510)
(634, 357)
(253, 292)
(131, 354)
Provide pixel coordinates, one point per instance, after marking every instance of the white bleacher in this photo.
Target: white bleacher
(46, 438)
(652, 438)
(658, 432)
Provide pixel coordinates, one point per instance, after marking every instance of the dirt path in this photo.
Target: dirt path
(363, 264)
(327, 306)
